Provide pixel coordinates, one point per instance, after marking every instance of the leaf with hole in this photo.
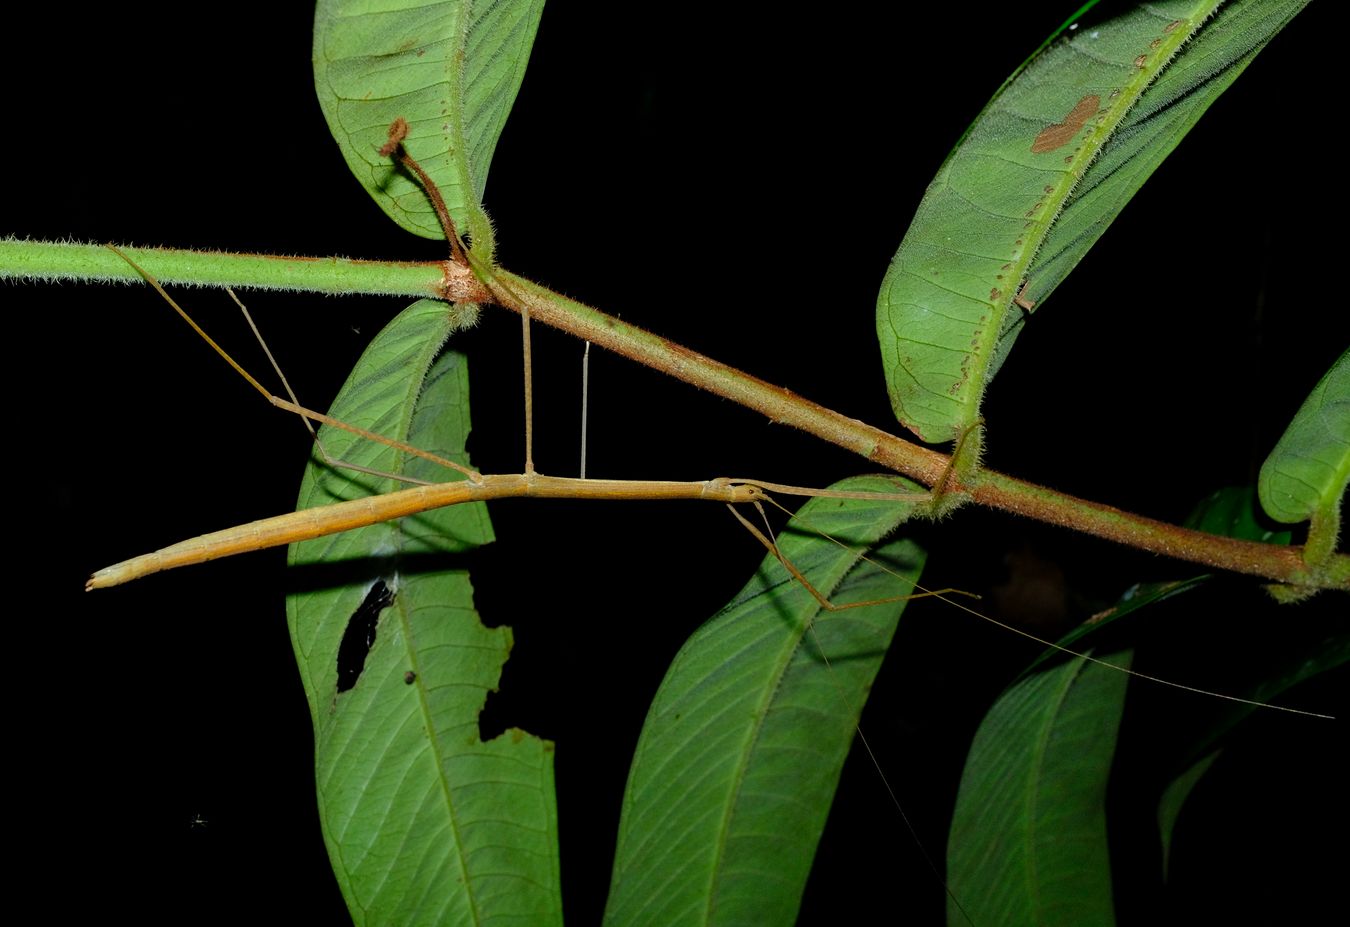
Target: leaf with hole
(424, 822)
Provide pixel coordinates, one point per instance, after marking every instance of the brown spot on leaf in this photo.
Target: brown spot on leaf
(1049, 190)
(1155, 43)
(1061, 133)
(1140, 61)
(994, 295)
(1172, 25)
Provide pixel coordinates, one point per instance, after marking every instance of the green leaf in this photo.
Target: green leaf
(1028, 840)
(744, 743)
(1305, 475)
(1038, 177)
(424, 822)
(1174, 798)
(1288, 671)
(451, 69)
(1232, 512)
(1136, 597)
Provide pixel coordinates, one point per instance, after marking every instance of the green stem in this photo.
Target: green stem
(53, 261)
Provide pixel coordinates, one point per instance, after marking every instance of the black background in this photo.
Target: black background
(736, 181)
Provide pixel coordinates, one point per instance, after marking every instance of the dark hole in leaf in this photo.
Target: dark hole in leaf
(360, 635)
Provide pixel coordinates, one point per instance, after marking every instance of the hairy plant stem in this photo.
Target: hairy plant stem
(77, 261)
(986, 487)
(448, 280)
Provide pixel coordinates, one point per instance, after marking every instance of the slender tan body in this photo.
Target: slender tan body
(358, 513)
